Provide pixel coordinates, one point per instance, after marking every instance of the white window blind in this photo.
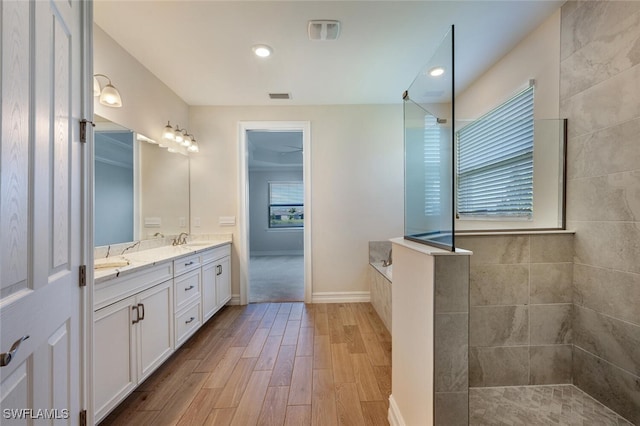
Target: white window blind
(495, 161)
(432, 201)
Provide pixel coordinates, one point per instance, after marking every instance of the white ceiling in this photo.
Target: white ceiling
(269, 149)
(202, 49)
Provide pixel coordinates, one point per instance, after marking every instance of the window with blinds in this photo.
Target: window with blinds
(432, 198)
(286, 204)
(495, 162)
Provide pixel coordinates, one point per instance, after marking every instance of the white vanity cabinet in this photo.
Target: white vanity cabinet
(187, 284)
(144, 313)
(216, 280)
(132, 337)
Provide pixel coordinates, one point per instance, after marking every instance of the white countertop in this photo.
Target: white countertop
(147, 258)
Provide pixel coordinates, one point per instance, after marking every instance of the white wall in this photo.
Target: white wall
(357, 180)
(147, 103)
(263, 240)
(536, 57)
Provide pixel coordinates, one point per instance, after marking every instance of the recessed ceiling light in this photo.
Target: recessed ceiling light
(262, 50)
(436, 71)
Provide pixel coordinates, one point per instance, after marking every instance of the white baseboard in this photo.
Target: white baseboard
(394, 417)
(235, 300)
(341, 297)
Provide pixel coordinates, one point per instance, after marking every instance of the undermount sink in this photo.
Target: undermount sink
(198, 244)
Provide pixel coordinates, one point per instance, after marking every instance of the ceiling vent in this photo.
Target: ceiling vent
(279, 96)
(323, 30)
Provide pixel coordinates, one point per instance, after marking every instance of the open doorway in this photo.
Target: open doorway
(275, 211)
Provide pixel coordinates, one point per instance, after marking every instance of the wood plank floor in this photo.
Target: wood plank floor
(272, 364)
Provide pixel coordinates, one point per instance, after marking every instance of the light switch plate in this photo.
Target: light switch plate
(152, 222)
(227, 220)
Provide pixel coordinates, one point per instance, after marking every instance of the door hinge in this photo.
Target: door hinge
(83, 418)
(83, 275)
(83, 129)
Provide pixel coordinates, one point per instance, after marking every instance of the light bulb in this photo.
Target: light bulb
(168, 133)
(179, 136)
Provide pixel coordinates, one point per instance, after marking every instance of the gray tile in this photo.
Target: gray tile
(499, 325)
(604, 105)
(615, 388)
(563, 405)
(613, 293)
(496, 249)
(452, 284)
(611, 150)
(613, 340)
(550, 324)
(505, 366)
(550, 364)
(578, 27)
(612, 245)
(452, 409)
(379, 250)
(615, 49)
(614, 197)
(451, 361)
(551, 282)
(495, 284)
(552, 248)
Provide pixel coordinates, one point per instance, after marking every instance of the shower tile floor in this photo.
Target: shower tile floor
(538, 405)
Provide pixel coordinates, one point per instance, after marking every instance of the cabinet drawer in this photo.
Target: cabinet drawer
(186, 264)
(187, 288)
(187, 323)
(122, 287)
(216, 253)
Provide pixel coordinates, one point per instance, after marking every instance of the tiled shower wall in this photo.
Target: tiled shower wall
(600, 96)
(520, 309)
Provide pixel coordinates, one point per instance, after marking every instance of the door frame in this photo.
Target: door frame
(243, 198)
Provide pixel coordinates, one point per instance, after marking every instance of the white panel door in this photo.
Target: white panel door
(40, 210)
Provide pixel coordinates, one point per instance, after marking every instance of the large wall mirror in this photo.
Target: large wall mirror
(141, 189)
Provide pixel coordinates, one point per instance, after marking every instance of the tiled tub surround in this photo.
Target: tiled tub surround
(520, 297)
(380, 279)
(600, 96)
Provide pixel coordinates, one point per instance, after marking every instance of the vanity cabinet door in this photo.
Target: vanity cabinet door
(114, 355)
(209, 300)
(155, 328)
(223, 281)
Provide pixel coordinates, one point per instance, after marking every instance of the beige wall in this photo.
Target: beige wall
(536, 57)
(357, 179)
(147, 103)
(600, 95)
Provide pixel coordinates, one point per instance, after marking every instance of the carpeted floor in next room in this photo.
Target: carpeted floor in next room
(276, 279)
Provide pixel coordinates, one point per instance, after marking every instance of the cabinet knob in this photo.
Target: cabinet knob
(189, 263)
(190, 320)
(141, 305)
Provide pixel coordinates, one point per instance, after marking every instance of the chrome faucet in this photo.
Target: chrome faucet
(388, 261)
(180, 239)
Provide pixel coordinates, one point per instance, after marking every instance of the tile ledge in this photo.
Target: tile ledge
(524, 232)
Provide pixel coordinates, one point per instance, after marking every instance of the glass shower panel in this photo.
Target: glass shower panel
(428, 114)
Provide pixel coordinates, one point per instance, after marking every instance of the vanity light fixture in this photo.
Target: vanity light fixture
(262, 50)
(109, 95)
(168, 133)
(194, 146)
(187, 140)
(179, 137)
(436, 71)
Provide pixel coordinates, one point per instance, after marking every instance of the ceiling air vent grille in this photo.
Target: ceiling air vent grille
(279, 96)
(323, 30)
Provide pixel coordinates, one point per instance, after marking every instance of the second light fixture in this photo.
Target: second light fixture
(180, 136)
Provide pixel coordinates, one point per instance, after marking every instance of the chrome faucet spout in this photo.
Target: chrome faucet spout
(388, 261)
(180, 239)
